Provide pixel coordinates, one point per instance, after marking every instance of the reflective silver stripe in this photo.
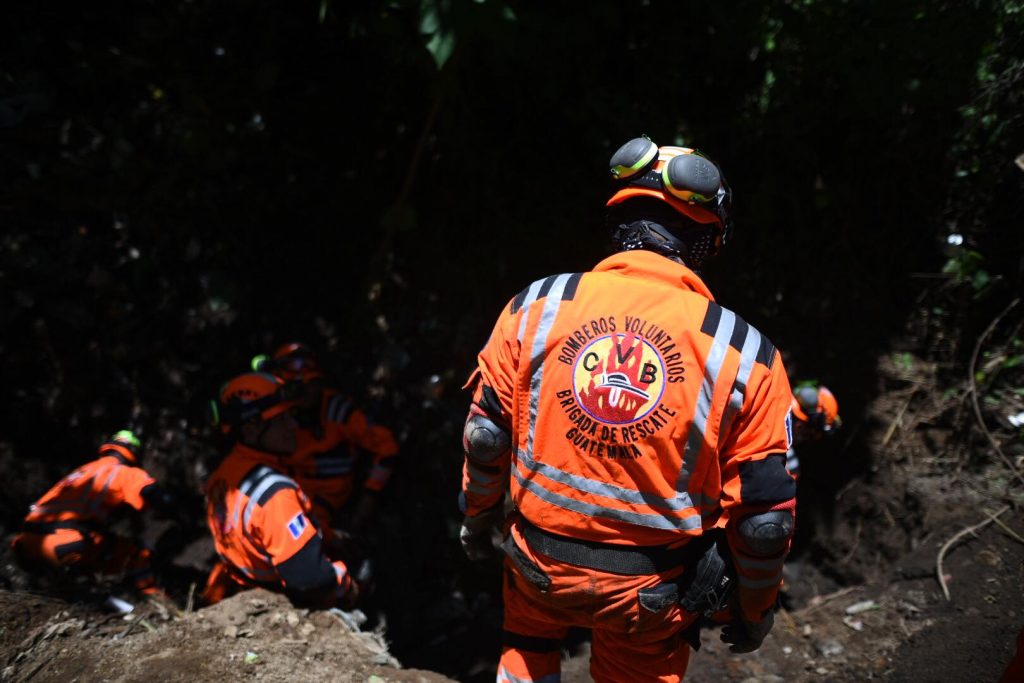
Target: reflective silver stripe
(338, 409)
(264, 484)
(653, 521)
(757, 564)
(478, 475)
(247, 484)
(540, 338)
(601, 488)
(531, 296)
(253, 479)
(334, 459)
(329, 472)
(334, 464)
(748, 355)
(698, 426)
(505, 677)
(481, 489)
(761, 583)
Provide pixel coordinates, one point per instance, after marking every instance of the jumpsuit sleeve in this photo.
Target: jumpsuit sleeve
(755, 480)
(295, 548)
(127, 485)
(485, 478)
(379, 441)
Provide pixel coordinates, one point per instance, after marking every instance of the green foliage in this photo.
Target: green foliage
(965, 266)
(443, 23)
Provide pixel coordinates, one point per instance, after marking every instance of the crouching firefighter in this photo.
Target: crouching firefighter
(259, 517)
(641, 431)
(68, 529)
(815, 416)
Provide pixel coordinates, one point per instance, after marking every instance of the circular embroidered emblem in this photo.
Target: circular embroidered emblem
(618, 378)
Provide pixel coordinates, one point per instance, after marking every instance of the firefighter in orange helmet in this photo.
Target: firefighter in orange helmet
(641, 429)
(67, 529)
(815, 415)
(333, 433)
(259, 517)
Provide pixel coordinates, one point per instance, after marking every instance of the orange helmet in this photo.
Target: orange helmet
(251, 396)
(817, 407)
(125, 444)
(682, 178)
(292, 361)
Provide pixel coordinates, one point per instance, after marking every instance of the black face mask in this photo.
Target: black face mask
(653, 225)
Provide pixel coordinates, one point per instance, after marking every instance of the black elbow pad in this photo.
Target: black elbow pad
(486, 440)
(768, 533)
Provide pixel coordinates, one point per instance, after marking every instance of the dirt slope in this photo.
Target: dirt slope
(862, 600)
(252, 636)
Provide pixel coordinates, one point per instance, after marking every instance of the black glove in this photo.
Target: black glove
(747, 636)
(710, 583)
(159, 499)
(479, 533)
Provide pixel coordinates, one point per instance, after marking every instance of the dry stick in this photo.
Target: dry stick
(821, 600)
(189, 604)
(899, 416)
(1009, 531)
(974, 391)
(960, 534)
(856, 541)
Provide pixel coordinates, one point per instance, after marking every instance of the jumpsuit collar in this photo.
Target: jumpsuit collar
(651, 266)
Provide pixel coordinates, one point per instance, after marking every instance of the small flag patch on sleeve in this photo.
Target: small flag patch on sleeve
(296, 525)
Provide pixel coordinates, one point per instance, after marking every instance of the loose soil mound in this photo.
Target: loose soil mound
(252, 636)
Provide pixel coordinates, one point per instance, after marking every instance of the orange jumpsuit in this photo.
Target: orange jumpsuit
(264, 534)
(66, 528)
(642, 415)
(325, 458)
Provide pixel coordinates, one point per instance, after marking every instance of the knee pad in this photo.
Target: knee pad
(767, 533)
(485, 440)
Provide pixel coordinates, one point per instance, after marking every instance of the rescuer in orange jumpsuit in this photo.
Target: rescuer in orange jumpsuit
(67, 529)
(642, 430)
(333, 433)
(815, 415)
(259, 517)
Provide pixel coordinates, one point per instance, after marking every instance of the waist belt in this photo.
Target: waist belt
(46, 528)
(617, 559)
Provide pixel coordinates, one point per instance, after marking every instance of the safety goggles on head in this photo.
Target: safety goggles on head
(234, 412)
(683, 177)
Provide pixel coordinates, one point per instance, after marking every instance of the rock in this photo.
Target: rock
(829, 647)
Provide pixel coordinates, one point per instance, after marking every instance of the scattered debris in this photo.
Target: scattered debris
(863, 606)
(855, 624)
